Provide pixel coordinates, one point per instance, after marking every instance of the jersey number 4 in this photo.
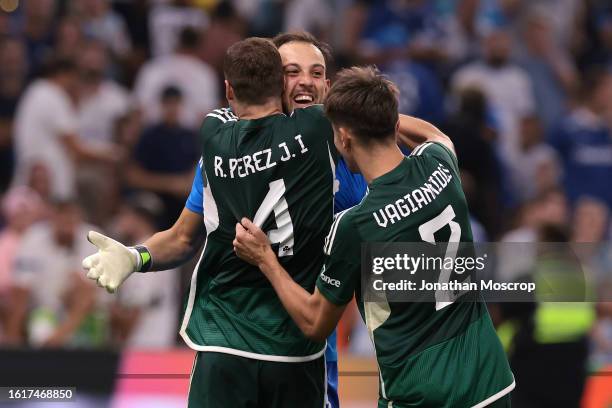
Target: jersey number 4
(275, 202)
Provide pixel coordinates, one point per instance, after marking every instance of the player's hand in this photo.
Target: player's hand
(112, 264)
(251, 243)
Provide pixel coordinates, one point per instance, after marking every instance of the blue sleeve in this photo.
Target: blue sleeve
(353, 188)
(195, 201)
(405, 149)
(559, 139)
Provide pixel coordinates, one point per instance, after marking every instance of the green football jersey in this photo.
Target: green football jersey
(430, 354)
(279, 172)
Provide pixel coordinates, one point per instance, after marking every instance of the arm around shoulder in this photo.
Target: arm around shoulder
(414, 131)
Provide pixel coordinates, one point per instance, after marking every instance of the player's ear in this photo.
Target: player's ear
(345, 138)
(229, 91)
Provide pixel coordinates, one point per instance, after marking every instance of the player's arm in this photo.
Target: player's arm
(313, 313)
(413, 132)
(114, 262)
(174, 246)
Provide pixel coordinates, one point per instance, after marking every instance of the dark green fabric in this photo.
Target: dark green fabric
(223, 380)
(281, 163)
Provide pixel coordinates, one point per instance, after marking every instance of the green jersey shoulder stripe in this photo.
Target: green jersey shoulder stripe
(419, 149)
(329, 240)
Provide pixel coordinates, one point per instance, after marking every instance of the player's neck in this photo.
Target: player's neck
(268, 108)
(376, 161)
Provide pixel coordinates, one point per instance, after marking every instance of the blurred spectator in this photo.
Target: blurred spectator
(549, 208)
(549, 347)
(420, 90)
(183, 69)
(494, 14)
(35, 25)
(604, 27)
(100, 22)
(127, 130)
(562, 16)
(591, 229)
(226, 27)
(506, 86)
(380, 31)
(459, 22)
(46, 130)
(39, 180)
(68, 38)
(584, 141)
(167, 20)
(265, 18)
(398, 37)
(595, 37)
(54, 305)
(246, 9)
(536, 167)
(165, 157)
(13, 77)
(101, 103)
(146, 313)
(13, 71)
(474, 139)
(549, 66)
(21, 207)
(135, 13)
(517, 253)
(314, 16)
(591, 222)
(101, 100)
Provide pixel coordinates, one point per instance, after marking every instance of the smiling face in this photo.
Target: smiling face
(305, 75)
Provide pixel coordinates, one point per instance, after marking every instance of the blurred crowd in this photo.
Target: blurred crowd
(100, 104)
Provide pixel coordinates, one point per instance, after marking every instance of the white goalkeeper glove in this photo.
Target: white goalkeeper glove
(114, 262)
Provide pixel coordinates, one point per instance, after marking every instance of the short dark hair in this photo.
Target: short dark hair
(306, 37)
(254, 69)
(189, 38)
(364, 101)
(171, 92)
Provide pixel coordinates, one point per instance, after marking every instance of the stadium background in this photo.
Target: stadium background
(523, 87)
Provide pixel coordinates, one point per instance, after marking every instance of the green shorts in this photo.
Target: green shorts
(223, 380)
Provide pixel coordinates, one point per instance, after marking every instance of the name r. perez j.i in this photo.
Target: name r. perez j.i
(258, 161)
